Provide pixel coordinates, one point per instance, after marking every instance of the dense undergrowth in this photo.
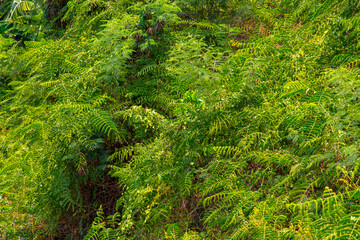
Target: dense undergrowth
(159, 119)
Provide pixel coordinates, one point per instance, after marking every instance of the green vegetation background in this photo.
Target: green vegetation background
(179, 119)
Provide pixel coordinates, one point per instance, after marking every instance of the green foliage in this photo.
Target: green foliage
(22, 20)
(181, 120)
(214, 10)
